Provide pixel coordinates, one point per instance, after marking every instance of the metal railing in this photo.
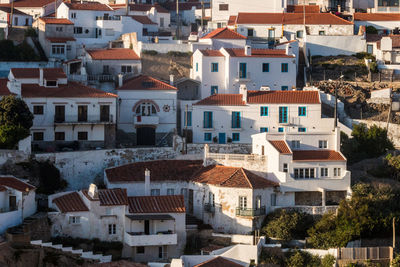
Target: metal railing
(84, 119)
(250, 212)
(101, 78)
(209, 208)
(243, 76)
(108, 18)
(244, 157)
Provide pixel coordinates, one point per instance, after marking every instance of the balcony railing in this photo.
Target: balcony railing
(209, 208)
(100, 119)
(108, 18)
(138, 239)
(146, 120)
(243, 76)
(250, 212)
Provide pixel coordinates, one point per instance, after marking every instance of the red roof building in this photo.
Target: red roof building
(157, 204)
(113, 54)
(223, 33)
(144, 82)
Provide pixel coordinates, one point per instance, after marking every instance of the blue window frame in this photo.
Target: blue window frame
(214, 67)
(236, 119)
(284, 88)
(302, 111)
(197, 67)
(280, 129)
(207, 137)
(283, 114)
(263, 111)
(235, 137)
(265, 67)
(264, 130)
(242, 70)
(214, 89)
(208, 119)
(302, 130)
(284, 67)
(188, 115)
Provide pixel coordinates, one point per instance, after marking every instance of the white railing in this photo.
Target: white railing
(146, 120)
(241, 157)
(150, 240)
(314, 210)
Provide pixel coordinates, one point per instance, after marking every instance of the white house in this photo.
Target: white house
(223, 37)
(19, 18)
(147, 110)
(33, 8)
(155, 12)
(384, 23)
(189, 12)
(66, 114)
(17, 201)
(223, 71)
(386, 49)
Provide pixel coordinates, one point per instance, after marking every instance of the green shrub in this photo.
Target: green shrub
(30, 32)
(371, 30)
(150, 52)
(300, 258)
(179, 54)
(328, 260)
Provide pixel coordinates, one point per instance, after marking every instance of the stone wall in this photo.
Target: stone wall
(393, 131)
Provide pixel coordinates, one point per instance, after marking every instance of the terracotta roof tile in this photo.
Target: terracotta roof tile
(157, 204)
(113, 54)
(232, 20)
(2, 188)
(109, 197)
(144, 82)
(7, 9)
(3, 87)
(30, 3)
(15, 183)
(317, 155)
(281, 146)
(95, 6)
(218, 262)
(222, 100)
(239, 52)
(160, 170)
(223, 33)
(376, 16)
(48, 73)
(48, 20)
(290, 18)
(147, 7)
(211, 53)
(143, 20)
(72, 89)
(301, 8)
(61, 39)
(71, 202)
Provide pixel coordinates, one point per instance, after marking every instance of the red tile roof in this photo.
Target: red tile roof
(61, 39)
(30, 3)
(232, 20)
(48, 73)
(48, 20)
(147, 7)
(113, 54)
(290, 18)
(160, 170)
(317, 155)
(218, 262)
(144, 82)
(143, 20)
(302, 9)
(231, 177)
(239, 52)
(222, 100)
(157, 204)
(95, 6)
(7, 9)
(109, 197)
(15, 183)
(281, 146)
(211, 53)
(3, 87)
(71, 202)
(72, 89)
(223, 33)
(376, 16)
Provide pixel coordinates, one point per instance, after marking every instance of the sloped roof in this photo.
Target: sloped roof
(281, 146)
(48, 20)
(147, 7)
(48, 73)
(222, 100)
(232, 20)
(7, 9)
(144, 82)
(3, 87)
(317, 155)
(157, 204)
(239, 52)
(211, 53)
(94, 6)
(60, 39)
(113, 54)
(223, 33)
(15, 183)
(71, 202)
(109, 197)
(218, 262)
(376, 16)
(143, 20)
(231, 177)
(302, 8)
(291, 18)
(30, 3)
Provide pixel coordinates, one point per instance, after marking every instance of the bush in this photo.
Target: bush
(396, 261)
(328, 260)
(363, 55)
(21, 52)
(30, 32)
(150, 52)
(179, 54)
(371, 30)
(300, 258)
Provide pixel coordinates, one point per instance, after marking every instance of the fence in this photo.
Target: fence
(365, 253)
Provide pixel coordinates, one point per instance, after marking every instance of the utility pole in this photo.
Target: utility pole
(394, 232)
(202, 14)
(336, 96)
(12, 14)
(390, 110)
(177, 20)
(186, 123)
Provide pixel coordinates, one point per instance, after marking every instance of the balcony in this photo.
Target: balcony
(209, 208)
(146, 120)
(92, 119)
(134, 239)
(250, 212)
(242, 77)
(108, 18)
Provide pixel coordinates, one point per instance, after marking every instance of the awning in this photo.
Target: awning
(150, 217)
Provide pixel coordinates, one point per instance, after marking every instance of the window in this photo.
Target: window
(38, 110)
(284, 88)
(78, 30)
(38, 136)
(68, 48)
(82, 136)
(264, 130)
(242, 70)
(73, 15)
(258, 202)
(285, 167)
(170, 192)
(184, 192)
(263, 111)
(139, 250)
(59, 29)
(265, 67)
(302, 130)
(207, 137)
(299, 34)
(82, 113)
(283, 114)
(336, 172)
(324, 172)
(242, 203)
(304, 173)
(214, 67)
(302, 111)
(223, 7)
(321, 32)
(197, 67)
(250, 32)
(235, 119)
(105, 113)
(214, 89)
(284, 67)
(146, 109)
(59, 136)
(109, 32)
(273, 199)
(187, 120)
(271, 33)
(160, 252)
(161, 22)
(58, 49)
(74, 219)
(106, 69)
(155, 192)
(370, 49)
(295, 143)
(112, 229)
(126, 69)
(51, 83)
(235, 137)
(211, 199)
(280, 130)
(208, 119)
(59, 115)
(323, 144)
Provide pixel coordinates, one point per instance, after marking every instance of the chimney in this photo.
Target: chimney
(243, 92)
(41, 82)
(92, 192)
(120, 80)
(147, 182)
(247, 50)
(171, 79)
(287, 49)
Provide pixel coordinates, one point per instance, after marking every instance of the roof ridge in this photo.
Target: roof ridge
(247, 178)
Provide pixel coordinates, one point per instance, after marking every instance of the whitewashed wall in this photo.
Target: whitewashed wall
(334, 45)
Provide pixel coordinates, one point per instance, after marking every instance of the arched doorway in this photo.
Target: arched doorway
(146, 136)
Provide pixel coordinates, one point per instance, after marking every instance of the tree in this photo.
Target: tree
(15, 121)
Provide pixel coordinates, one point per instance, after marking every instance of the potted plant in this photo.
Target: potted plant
(215, 139)
(229, 140)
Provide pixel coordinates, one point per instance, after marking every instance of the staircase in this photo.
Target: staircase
(192, 222)
(163, 142)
